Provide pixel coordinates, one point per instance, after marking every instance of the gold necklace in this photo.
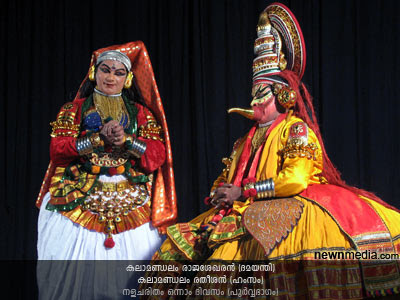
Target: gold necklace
(258, 138)
(113, 107)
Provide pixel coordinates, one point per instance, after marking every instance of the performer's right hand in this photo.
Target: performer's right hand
(106, 131)
(225, 195)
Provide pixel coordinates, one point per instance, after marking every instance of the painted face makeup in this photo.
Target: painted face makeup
(110, 77)
(261, 93)
(263, 103)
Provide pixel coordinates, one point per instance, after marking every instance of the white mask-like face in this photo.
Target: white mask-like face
(263, 103)
(110, 77)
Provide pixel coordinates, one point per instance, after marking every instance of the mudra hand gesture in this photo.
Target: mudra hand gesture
(225, 195)
(113, 133)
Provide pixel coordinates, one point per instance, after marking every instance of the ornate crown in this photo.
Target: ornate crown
(280, 43)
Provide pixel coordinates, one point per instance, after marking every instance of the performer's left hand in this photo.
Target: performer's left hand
(113, 133)
(117, 135)
(225, 195)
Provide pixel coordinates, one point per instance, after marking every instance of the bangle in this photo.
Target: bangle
(265, 188)
(84, 146)
(258, 189)
(138, 148)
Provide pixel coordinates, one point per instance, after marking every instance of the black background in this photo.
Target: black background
(201, 53)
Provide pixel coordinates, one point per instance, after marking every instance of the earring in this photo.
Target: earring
(285, 95)
(128, 81)
(91, 73)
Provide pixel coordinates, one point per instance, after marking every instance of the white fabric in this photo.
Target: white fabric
(61, 239)
(75, 264)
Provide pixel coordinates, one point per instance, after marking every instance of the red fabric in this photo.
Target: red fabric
(303, 109)
(254, 163)
(63, 151)
(353, 214)
(244, 158)
(63, 148)
(142, 114)
(155, 155)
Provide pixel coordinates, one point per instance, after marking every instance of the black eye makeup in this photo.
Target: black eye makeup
(261, 92)
(120, 73)
(105, 69)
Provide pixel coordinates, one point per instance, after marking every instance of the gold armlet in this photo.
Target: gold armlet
(64, 128)
(292, 150)
(64, 125)
(151, 130)
(297, 144)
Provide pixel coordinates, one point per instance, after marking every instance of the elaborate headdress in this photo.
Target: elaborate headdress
(135, 57)
(280, 44)
(280, 53)
(280, 49)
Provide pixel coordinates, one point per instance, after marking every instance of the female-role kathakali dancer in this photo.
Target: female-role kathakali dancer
(109, 189)
(280, 198)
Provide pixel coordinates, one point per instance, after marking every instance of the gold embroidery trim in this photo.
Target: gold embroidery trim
(258, 138)
(114, 159)
(89, 220)
(66, 116)
(60, 126)
(151, 130)
(292, 150)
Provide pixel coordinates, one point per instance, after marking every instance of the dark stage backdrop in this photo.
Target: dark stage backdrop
(202, 53)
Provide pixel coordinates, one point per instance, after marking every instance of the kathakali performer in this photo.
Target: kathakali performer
(280, 199)
(109, 190)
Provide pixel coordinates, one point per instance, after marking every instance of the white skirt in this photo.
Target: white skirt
(75, 264)
(61, 239)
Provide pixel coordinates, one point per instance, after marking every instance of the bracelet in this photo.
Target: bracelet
(137, 148)
(258, 189)
(84, 146)
(265, 188)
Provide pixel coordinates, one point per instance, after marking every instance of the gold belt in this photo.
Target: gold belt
(112, 186)
(112, 201)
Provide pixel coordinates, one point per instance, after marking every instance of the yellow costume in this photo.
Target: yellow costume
(316, 230)
(326, 240)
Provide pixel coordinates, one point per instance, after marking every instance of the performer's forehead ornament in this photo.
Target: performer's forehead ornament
(115, 55)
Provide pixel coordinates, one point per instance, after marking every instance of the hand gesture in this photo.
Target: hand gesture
(113, 133)
(225, 195)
